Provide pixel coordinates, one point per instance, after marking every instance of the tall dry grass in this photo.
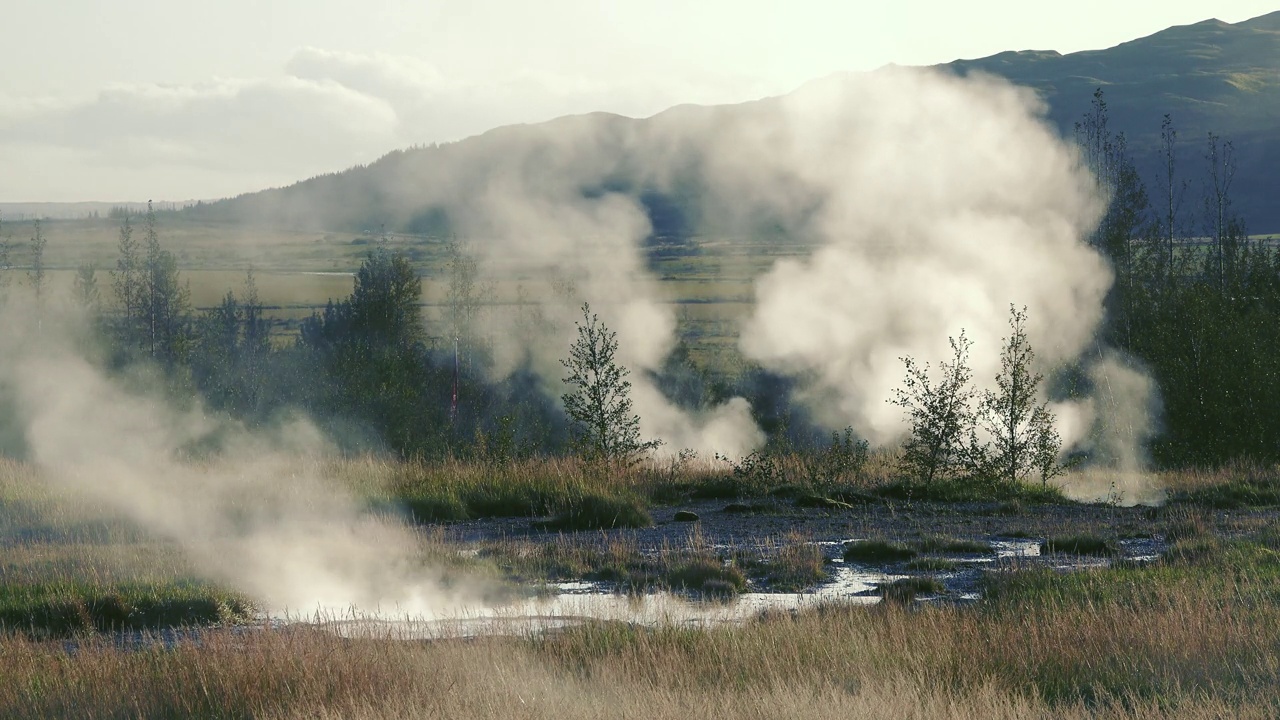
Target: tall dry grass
(1195, 636)
(1175, 657)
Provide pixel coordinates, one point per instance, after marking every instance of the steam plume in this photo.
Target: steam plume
(256, 515)
(535, 221)
(936, 202)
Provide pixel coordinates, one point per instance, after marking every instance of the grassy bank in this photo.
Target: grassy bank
(588, 496)
(1196, 635)
(1193, 634)
(68, 568)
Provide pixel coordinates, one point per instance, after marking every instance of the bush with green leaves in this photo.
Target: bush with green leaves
(604, 426)
(939, 412)
(1019, 438)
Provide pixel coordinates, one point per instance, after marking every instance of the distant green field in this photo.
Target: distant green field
(297, 272)
(710, 280)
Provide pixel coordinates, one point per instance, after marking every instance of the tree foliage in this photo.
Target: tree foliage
(233, 350)
(939, 413)
(1014, 437)
(599, 402)
(38, 271)
(155, 303)
(85, 287)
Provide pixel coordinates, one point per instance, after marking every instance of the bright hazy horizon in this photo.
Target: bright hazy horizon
(146, 99)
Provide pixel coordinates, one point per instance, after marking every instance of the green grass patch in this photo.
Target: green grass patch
(963, 490)
(1254, 490)
(932, 564)
(1242, 570)
(446, 507)
(62, 609)
(877, 551)
(954, 545)
(1079, 545)
(907, 589)
(599, 512)
(708, 577)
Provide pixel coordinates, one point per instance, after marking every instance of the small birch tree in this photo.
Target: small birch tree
(940, 413)
(1022, 438)
(599, 404)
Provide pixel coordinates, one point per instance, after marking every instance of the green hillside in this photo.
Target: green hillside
(1210, 77)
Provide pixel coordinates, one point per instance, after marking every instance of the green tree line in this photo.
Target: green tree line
(1195, 299)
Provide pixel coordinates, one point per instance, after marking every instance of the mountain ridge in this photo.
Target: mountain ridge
(1209, 76)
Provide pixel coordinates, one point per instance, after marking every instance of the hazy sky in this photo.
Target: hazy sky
(172, 99)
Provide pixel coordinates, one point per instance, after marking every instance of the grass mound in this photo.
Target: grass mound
(63, 610)
(1080, 545)
(875, 551)
(708, 577)
(907, 589)
(720, 487)
(813, 500)
(795, 568)
(600, 512)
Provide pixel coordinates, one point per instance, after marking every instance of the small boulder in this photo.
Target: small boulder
(686, 516)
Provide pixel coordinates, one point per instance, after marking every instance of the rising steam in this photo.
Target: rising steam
(938, 202)
(934, 203)
(255, 515)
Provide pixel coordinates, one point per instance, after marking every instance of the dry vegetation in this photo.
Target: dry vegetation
(1190, 645)
(1195, 634)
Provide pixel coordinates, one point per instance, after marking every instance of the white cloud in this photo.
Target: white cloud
(329, 111)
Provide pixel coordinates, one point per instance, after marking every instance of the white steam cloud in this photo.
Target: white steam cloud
(938, 202)
(256, 515)
(935, 202)
(1113, 426)
(535, 221)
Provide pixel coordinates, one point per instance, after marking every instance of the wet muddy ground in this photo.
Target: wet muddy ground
(900, 521)
(1014, 535)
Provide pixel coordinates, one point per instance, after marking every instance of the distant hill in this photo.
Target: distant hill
(1210, 77)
